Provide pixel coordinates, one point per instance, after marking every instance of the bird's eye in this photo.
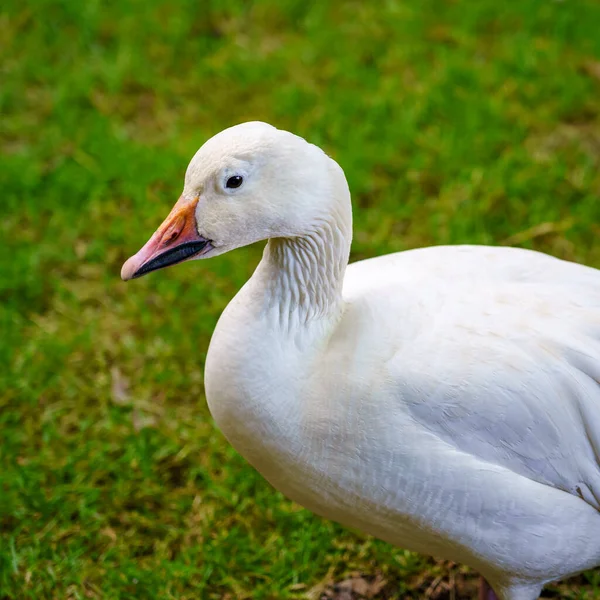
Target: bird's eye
(234, 182)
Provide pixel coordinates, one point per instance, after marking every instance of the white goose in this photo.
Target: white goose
(445, 399)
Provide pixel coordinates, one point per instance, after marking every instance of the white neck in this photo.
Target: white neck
(302, 277)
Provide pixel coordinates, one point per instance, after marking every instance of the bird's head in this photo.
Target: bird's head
(248, 183)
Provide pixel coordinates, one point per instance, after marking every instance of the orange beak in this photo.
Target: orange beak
(175, 241)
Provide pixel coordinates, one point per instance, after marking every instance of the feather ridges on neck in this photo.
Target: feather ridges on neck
(304, 275)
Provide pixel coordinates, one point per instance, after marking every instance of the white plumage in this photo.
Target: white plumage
(445, 399)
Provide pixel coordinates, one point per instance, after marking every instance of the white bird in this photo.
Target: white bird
(446, 399)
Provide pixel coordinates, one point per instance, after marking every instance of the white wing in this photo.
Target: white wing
(497, 352)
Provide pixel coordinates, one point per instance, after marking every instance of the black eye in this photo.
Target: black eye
(234, 182)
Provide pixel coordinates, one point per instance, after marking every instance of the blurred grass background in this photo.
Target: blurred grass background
(456, 122)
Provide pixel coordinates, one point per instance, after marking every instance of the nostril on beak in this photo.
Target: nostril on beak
(173, 231)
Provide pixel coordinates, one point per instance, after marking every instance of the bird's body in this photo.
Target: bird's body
(446, 399)
(453, 423)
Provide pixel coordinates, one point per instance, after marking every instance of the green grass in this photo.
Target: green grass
(472, 122)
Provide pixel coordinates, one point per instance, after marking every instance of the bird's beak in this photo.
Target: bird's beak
(176, 240)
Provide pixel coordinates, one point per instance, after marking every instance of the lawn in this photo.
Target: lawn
(456, 122)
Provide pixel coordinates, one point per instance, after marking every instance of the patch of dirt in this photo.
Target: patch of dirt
(356, 587)
(445, 581)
